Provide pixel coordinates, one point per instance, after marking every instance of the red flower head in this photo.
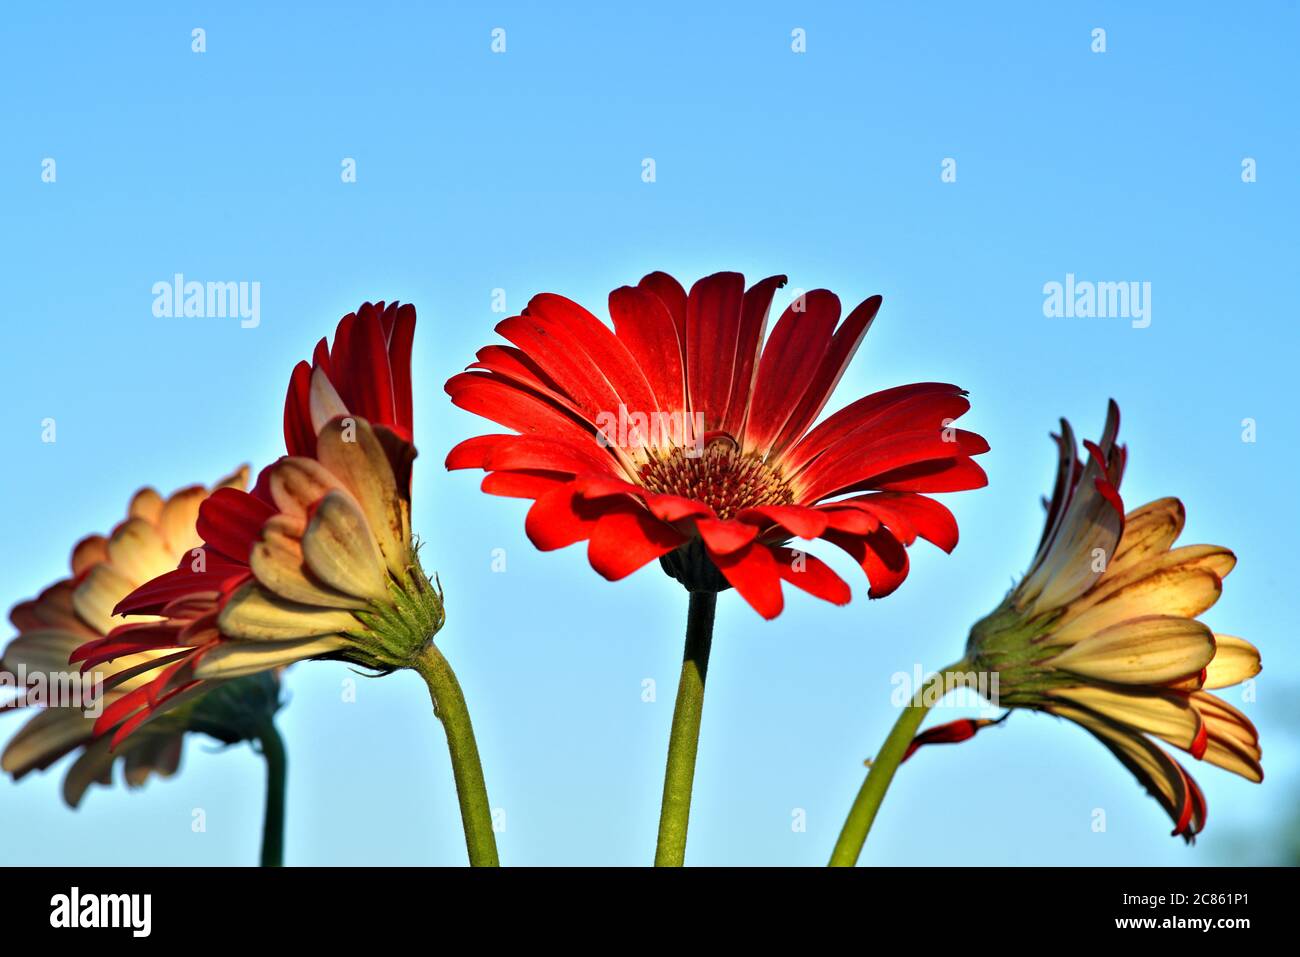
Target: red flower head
(680, 436)
(317, 561)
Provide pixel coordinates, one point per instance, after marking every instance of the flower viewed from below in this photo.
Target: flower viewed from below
(1103, 631)
(78, 609)
(316, 562)
(681, 435)
(686, 434)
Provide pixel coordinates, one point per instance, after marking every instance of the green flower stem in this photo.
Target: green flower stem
(276, 766)
(863, 813)
(449, 707)
(684, 740)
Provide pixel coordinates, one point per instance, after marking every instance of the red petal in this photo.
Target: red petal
(790, 360)
(473, 453)
(150, 597)
(370, 375)
(400, 323)
(881, 556)
(673, 296)
(548, 454)
(642, 322)
(837, 357)
(231, 521)
(909, 515)
(862, 468)
(494, 398)
(749, 347)
(674, 508)
(725, 537)
(712, 326)
(754, 573)
(910, 402)
(522, 484)
(560, 517)
(813, 576)
(625, 540)
(798, 520)
(941, 475)
(953, 732)
(514, 364)
(299, 436)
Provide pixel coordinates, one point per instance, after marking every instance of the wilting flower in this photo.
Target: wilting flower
(680, 435)
(317, 561)
(1102, 631)
(78, 609)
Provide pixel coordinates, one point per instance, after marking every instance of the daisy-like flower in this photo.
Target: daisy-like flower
(681, 435)
(317, 561)
(1103, 631)
(77, 610)
(685, 434)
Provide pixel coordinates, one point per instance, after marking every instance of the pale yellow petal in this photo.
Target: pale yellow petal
(45, 651)
(1149, 531)
(1211, 558)
(238, 479)
(277, 562)
(98, 593)
(1183, 591)
(1141, 651)
(146, 504)
(1233, 738)
(1087, 537)
(323, 400)
(176, 524)
(1235, 661)
(348, 448)
(235, 659)
(90, 551)
(44, 738)
(93, 765)
(340, 549)
(1167, 716)
(254, 614)
(298, 483)
(1225, 721)
(54, 608)
(138, 551)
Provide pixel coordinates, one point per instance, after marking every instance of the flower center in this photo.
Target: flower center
(718, 474)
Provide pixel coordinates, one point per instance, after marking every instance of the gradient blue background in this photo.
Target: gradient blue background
(523, 171)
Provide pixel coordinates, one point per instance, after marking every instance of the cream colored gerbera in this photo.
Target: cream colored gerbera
(1103, 631)
(78, 609)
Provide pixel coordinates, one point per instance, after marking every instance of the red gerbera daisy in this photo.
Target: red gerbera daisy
(680, 435)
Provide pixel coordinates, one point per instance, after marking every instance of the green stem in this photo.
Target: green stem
(684, 741)
(449, 707)
(276, 766)
(863, 813)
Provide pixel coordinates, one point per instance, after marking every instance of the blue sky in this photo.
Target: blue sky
(522, 171)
